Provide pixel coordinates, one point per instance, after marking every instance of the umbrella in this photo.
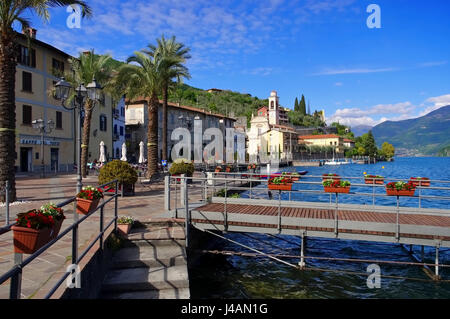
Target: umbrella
(124, 153)
(102, 158)
(141, 153)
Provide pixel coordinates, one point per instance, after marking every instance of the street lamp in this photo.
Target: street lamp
(43, 129)
(63, 92)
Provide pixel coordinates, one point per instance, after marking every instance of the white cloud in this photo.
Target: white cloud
(438, 102)
(338, 84)
(353, 71)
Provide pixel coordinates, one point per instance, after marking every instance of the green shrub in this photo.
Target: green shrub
(122, 171)
(182, 166)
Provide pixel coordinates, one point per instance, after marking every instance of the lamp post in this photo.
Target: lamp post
(63, 92)
(43, 129)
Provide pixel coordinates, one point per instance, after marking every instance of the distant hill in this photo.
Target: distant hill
(426, 135)
(359, 130)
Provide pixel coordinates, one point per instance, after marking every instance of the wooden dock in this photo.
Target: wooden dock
(414, 226)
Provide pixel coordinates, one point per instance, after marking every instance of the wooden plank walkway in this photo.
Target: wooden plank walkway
(414, 227)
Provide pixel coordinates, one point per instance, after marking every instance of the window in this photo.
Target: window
(26, 114)
(27, 56)
(115, 128)
(121, 131)
(57, 67)
(58, 120)
(27, 82)
(103, 123)
(122, 111)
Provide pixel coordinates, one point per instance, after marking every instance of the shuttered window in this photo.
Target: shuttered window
(26, 114)
(27, 82)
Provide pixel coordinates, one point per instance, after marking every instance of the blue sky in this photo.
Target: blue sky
(322, 49)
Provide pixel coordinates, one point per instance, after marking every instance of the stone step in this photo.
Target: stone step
(181, 293)
(144, 278)
(157, 233)
(150, 256)
(155, 243)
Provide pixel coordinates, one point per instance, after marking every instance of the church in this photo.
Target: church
(269, 132)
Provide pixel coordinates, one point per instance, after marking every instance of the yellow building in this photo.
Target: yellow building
(39, 68)
(39, 64)
(330, 140)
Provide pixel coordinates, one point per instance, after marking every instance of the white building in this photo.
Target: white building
(118, 128)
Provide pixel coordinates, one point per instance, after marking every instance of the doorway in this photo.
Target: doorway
(26, 159)
(54, 159)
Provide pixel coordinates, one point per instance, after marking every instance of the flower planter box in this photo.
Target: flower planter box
(343, 190)
(85, 206)
(280, 187)
(394, 192)
(334, 178)
(56, 228)
(124, 229)
(28, 241)
(423, 182)
(374, 181)
(228, 169)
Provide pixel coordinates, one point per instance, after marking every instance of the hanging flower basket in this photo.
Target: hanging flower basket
(28, 241)
(85, 206)
(420, 181)
(374, 179)
(32, 231)
(400, 189)
(333, 186)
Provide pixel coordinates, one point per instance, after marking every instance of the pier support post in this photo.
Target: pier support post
(167, 193)
(436, 262)
(302, 262)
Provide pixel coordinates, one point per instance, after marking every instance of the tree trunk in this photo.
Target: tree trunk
(164, 123)
(152, 136)
(8, 154)
(86, 136)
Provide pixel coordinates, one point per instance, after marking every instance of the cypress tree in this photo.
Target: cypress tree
(296, 105)
(302, 105)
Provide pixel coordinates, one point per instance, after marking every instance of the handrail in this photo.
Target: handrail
(18, 268)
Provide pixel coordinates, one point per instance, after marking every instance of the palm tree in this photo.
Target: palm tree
(13, 11)
(87, 67)
(175, 55)
(142, 77)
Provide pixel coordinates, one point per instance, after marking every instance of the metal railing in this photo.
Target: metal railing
(230, 182)
(15, 273)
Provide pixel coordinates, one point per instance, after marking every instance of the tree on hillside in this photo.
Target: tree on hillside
(368, 142)
(87, 67)
(145, 78)
(12, 12)
(296, 105)
(302, 106)
(175, 55)
(387, 150)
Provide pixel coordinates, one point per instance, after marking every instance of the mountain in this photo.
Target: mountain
(426, 135)
(359, 130)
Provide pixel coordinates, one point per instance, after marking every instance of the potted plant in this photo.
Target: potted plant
(400, 189)
(32, 230)
(374, 179)
(87, 199)
(420, 181)
(336, 186)
(228, 169)
(331, 176)
(121, 171)
(124, 224)
(182, 166)
(57, 213)
(218, 169)
(282, 183)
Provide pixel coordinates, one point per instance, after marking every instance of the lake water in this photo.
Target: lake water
(217, 276)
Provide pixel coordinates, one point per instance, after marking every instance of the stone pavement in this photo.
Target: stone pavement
(147, 204)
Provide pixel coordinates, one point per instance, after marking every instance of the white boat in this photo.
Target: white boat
(334, 162)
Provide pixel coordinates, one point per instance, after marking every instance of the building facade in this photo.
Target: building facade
(39, 68)
(328, 140)
(179, 116)
(118, 129)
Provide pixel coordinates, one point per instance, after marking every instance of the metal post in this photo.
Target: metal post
(336, 217)
(42, 155)
(225, 207)
(15, 287)
(116, 208)
(182, 189)
(397, 226)
(279, 211)
(251, 186)
(423, 253)
(302, 262)
(373, 193)
(436, 262)
(7, 188)
(187, 217)
(167, 193)
(101, 228)
(176, 198)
